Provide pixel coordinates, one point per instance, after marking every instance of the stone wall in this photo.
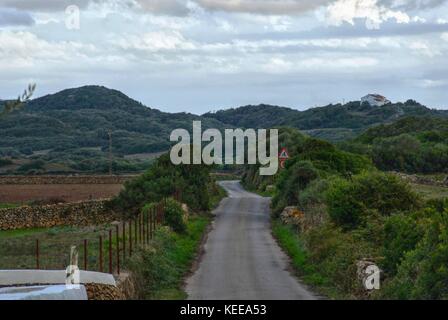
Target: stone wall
(27, 180)
(412, 178)
(96, 291)
(73, 214)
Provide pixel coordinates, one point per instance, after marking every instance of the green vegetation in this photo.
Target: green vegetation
(69, 131)
(413, 145)
(355, 202)
(290, 241)
(9, 106)
(430, 192)
(8, 205)
(333, 122)
(174, 215)
(160, 268)
(5, 162)
(19, 246)
(355, 212)
(161, 181)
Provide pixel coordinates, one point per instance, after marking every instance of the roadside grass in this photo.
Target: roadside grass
(225, 176)
(290, 241)
(430, 192)
(253, 189)
(160, 268)
(18, 247)
(8, 205)
(11, 234)
(217, 194)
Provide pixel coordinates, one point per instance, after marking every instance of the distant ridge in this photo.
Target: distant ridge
(68, 130)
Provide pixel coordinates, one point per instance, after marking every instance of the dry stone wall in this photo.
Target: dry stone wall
(73, 214)
(27, 180)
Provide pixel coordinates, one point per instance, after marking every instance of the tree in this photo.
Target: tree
(11, 106)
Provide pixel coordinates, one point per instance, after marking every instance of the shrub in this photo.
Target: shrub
(291, 181)
(5, 162)
(402, 233)
(423, 272)
(174, 215)
(334, 253)
(314, 193)
(34, 165)
(160, 181)
(350, 202)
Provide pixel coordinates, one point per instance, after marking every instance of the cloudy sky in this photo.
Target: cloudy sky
(201, 55)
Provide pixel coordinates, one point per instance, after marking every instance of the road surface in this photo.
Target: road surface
(242, 260)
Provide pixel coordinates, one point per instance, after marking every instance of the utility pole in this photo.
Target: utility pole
(110, 152)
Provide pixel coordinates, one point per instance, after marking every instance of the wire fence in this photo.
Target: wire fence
(100, 248)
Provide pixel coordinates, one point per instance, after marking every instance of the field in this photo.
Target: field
(18, 249)
(66, 192)
(430, 192)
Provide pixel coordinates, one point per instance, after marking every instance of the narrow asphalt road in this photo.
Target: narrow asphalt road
(242, 260)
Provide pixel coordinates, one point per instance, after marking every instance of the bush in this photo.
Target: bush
(351, 202)
(402, 233)
(291, 181)
(34, 165)
(334, 254)
(314, 194)
(5, 162)
(423, 272)
(174, 216)
(162, 180)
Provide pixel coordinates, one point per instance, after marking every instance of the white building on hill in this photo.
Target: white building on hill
(375, 100)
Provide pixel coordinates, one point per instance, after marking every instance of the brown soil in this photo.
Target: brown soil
(66, 192)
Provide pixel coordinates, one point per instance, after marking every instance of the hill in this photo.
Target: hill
(333, 122)
(411, 144)
(68, 131)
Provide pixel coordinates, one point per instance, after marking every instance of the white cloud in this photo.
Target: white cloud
(374, 14)
(424, 49)
(167, 7)
(246, 50)
(155, 41)
(428, 83)
(268, 7)
(43, 5)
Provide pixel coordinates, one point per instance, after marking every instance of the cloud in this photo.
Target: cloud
(157, 7)
(13, 17)
(43, 5)
(371, 10)
(266, 7)
(413, 4)
(155, 41)
(164, 7)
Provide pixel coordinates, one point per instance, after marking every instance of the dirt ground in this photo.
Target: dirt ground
(66, 192)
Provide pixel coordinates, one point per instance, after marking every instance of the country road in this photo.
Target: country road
(241, 259)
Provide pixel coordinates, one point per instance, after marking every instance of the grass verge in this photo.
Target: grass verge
(160, 268)
(8, 205)
(290, 241)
